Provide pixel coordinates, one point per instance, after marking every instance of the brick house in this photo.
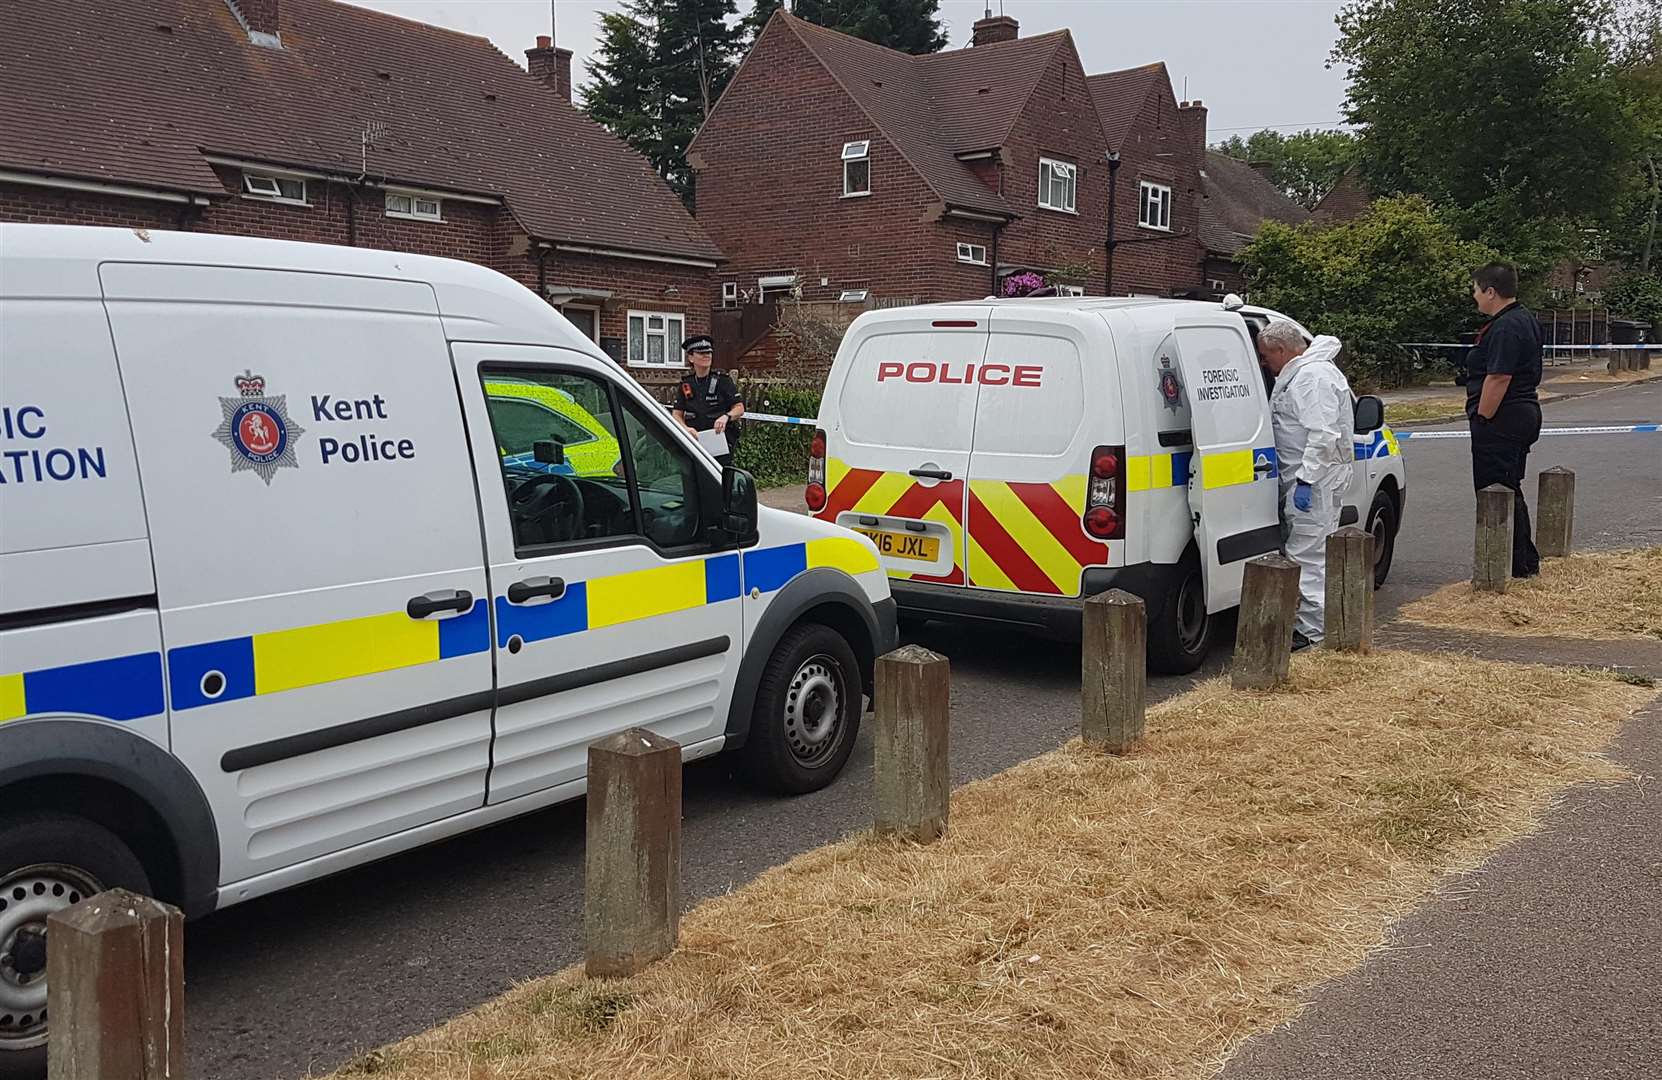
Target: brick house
(315, 120)
(1236, 198)
(834, 167)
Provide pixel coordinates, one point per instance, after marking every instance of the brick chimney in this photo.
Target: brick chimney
(1191, 123)
(259, 18)
(995, 28)
(551, 65)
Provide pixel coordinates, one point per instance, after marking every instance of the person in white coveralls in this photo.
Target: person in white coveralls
(1315, 421)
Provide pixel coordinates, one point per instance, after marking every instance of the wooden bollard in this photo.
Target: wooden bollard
(1349, 616)
(914, 787)
(1264, 631)
(632, 853)
(115, 989)
(1555, 512)
(1114, 676)
(1492, 555)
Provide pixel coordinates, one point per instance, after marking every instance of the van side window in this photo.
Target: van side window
(562, 468)
(666, 478)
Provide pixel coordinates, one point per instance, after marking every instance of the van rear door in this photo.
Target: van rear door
(898, 431)
(1232, 487)
(1032, 453)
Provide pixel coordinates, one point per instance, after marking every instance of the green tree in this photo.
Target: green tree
(659, 66)
(1637, 296)
(912, 26)
(1396, 274)
(1509, 115)
(1305, 165)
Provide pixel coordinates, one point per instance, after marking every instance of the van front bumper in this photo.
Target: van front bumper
(1058, 616)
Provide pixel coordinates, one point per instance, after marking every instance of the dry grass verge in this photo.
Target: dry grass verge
(1613, 595)
(1426, 410)
(1087, 915)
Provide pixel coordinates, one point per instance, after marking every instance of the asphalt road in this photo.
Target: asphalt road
(303, 980)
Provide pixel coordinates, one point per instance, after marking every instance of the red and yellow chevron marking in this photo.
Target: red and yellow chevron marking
(1022, 537)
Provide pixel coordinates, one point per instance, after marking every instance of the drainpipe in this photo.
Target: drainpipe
(1108, 245)
(351, 217)
(998, 228)
(542, 272)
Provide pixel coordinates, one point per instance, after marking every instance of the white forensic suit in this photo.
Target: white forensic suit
(1315, 420)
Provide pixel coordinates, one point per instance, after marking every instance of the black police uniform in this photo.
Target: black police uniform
(701, 401)
(1510, 344)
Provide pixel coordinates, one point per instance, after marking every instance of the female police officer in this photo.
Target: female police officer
(707, 399)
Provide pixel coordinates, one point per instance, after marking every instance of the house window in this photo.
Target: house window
(1154, 206)
(1057, 183)
(853, 296)
(405, 205)
(286, 189)
(773, 286)
(857, 168)
(1070, 290)
(1216, 285)
(972, 253)
(655, 338)
(729, 294)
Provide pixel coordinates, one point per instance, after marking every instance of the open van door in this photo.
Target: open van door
(1233, 479)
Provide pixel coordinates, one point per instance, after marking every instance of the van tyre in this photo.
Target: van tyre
(807, 712)
(47, 862)
(1382, 523)
(1179, 629)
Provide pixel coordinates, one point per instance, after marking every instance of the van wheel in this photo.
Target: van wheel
(1180, 630)
(1382, 523)
(807, 712)
(47, 863)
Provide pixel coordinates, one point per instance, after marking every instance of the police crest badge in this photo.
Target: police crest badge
(257, 429)
(1171, 390)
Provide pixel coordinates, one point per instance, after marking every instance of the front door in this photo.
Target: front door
(1232, 485)
(899, 450)
(610, 607)
(317, 555)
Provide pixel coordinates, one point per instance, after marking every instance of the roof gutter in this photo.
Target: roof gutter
(616, 253)
(69, 183)
(976, 215)
(310, 174)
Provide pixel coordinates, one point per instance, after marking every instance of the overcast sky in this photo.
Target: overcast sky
(1256, 63)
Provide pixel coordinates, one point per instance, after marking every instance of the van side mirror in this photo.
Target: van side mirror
(548, 452)
(738, 504)
(1370, 414)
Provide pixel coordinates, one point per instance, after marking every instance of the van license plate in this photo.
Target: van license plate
(905, 545)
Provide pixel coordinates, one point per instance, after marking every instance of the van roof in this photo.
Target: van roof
(1083, 304)
(477, 303)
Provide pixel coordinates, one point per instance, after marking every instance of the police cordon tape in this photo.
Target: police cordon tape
(1623, 429)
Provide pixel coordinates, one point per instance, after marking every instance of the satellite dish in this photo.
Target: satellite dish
(1232, 302)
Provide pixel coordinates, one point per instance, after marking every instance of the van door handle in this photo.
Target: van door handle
(458, 600)
(1263, 466)
(931, 474)
(531, 588)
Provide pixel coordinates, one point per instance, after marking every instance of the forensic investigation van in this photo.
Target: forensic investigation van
(310, 555)
(1012, 457)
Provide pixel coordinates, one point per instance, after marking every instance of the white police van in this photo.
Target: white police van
(296, 573)
(1011, 457)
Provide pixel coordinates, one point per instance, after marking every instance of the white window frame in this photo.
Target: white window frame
(856, 152)
(414, 200)
(1050, 170)
(1070, 290)
(729, 294)
(268, 187)
(672, 348)
(967, 250)
(776, 283)
(853, 296)
(1163, 198)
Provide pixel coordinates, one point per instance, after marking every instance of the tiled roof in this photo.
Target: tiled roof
(935, 106)
(1121, 95)
(137, 93)
(1350, 198)
(1236, 199)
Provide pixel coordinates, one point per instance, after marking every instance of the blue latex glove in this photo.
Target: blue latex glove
(1301, 496)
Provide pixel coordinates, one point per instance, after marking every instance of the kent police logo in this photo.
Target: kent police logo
(1170, 389)
(257, 429)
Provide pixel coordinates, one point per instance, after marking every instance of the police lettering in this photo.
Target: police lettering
(361, 448)
(365, 448)
(38, 464)
(927, 371)
(372, 408)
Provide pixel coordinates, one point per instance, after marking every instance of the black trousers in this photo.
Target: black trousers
(1500, 453)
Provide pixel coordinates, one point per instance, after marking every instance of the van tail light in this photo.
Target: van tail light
(815, 495)
(1104, 516)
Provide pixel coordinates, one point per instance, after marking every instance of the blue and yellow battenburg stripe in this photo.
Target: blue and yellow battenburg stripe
(279, 660)
(1384, 445)
(121, 688)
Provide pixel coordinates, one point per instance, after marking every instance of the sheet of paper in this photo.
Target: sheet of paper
(713, 442)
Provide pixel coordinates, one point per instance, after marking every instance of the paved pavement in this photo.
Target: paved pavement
(304, 979)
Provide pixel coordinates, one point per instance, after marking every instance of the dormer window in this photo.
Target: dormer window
(284, 189)
(857, 168)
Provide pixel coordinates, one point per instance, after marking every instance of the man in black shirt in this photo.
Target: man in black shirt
(707, 399)
(1503, 370)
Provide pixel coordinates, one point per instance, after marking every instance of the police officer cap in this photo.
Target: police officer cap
(698, 343)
